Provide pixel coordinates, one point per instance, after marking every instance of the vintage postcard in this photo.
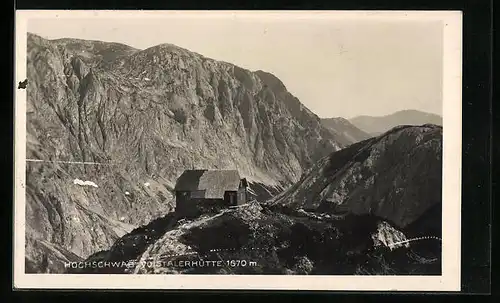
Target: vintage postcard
(278, 150)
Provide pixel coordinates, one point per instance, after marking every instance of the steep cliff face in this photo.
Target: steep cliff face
(396, 176)
(142, 117)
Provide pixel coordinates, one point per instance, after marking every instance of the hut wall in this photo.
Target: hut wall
(193, 207)
(230, 198)
(242, 196)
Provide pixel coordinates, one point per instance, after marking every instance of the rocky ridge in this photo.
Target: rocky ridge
(396, 176)
(267, 241)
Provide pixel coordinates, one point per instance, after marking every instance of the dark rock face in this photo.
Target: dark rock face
(145, 116)
(396, 176)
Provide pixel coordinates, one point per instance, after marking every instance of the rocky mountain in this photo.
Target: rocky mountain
(345, 130)
(378, 125)
(369, 209)
(396, 176)
(110, 128)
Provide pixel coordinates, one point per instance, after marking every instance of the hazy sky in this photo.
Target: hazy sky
(335, 67)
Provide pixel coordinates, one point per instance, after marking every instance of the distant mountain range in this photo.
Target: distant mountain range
(345, 130)
(375, 126)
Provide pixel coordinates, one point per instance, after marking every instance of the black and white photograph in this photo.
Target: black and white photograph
(265, 145)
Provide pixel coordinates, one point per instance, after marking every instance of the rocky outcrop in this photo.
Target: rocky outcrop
(141, 117)
(388, 236)
(396, 176)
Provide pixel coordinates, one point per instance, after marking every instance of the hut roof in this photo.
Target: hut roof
(214, 182)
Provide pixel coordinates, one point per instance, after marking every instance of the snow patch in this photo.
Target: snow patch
(84, 183)
(147, 184)
(127, 193)
(146, 79)
(122, 219)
